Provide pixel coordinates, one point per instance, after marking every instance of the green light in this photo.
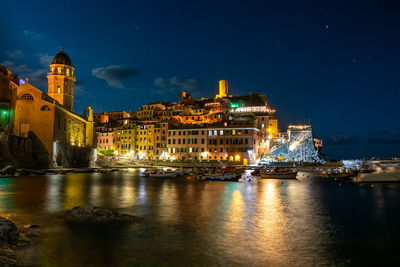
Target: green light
(234, 105)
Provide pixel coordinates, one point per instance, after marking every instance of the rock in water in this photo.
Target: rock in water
(9, 232)
(8, 170)
(93, 214)
(8, 258)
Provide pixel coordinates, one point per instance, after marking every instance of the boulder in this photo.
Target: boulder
(8, 258)
(93, 214)
(9, 232)
(8, 170)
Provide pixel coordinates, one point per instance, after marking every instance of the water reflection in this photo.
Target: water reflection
(266, 222)
(54, 193)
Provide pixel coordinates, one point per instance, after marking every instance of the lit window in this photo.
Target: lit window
(221, 132)
(58, 89)
(67, 71)
(52, 69)
(59, 70)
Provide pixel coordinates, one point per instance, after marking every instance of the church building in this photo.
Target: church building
(58, 136)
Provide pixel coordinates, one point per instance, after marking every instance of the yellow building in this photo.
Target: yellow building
(125, 140)
(145, 141)
(48, 120)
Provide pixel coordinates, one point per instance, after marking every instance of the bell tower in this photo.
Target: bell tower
(61, 80)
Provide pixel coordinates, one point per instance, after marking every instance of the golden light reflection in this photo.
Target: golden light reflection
(94, 190)
(272, 223)
(74, 190)
(54, 193)
(128, 196)
(236, 212)
(168, 202)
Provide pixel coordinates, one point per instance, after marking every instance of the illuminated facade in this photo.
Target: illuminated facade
(61, 80)
(297, 146)
(67, 139)
(234, 141)
(236, 129)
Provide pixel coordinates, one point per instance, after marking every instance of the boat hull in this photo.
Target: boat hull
(278, 175)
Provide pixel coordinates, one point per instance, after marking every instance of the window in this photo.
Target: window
(67, 72)
(221, 132)
(26, 97)
(59, 70)
(45, 108)
(58, 89)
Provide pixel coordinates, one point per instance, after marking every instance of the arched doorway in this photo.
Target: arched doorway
(59, 159)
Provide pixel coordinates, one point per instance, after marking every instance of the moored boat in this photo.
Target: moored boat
(233, 177)
(278, 174)
(161, 174)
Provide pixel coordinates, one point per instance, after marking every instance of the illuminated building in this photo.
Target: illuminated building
(117, 115)
(61, 80)
(59, 136)
(235, 141)
(145, 141)
(297, 146)
(125, 140)
(106, 139)
(100, 118)
(236, 129)
(8, 83)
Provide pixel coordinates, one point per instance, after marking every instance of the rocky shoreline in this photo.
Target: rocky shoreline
(17, 245)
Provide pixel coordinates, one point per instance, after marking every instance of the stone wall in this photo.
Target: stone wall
(23, 152)
(30, 153)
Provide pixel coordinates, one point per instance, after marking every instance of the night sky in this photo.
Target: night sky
(333, 63)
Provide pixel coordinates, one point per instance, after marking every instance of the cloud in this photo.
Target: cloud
(173, 85)
(45, 59)
(383, 137)
(38, 78)
(340, 138)
(33, 35)
(114, 75)
(15, 68)
(18, 53)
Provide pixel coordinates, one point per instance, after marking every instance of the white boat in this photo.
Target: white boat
(382, 174)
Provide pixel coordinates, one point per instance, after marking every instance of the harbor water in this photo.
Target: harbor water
(303, 222)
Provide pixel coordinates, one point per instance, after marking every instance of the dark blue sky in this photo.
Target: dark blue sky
(336, 63)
